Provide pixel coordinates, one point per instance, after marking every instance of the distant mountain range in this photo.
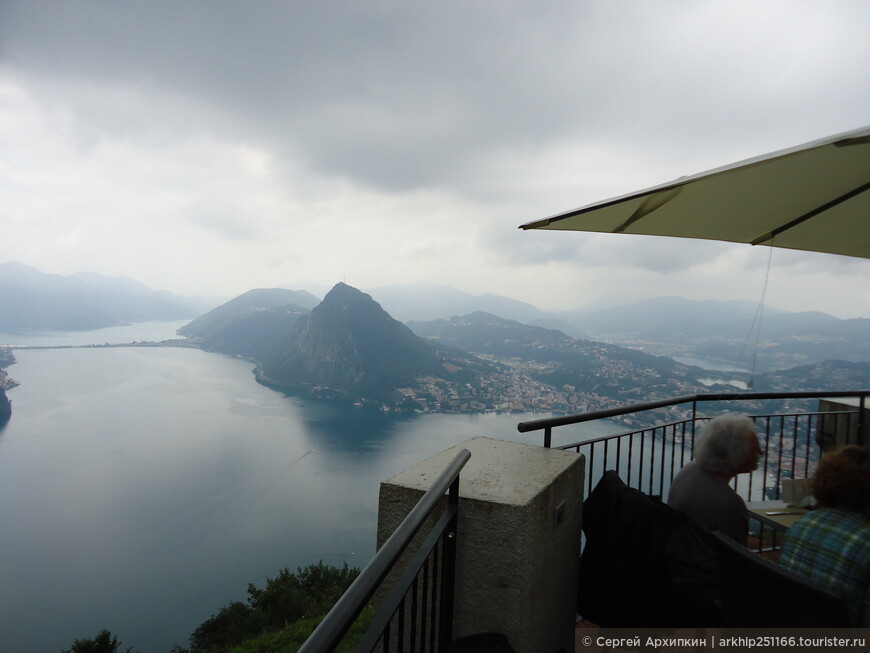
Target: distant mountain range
(348, 347)
(345, 347)
(723, 332)
(587, 366)
(468, 352)
(729, 331)
(421, 301)
(719, 334)
(31, 300)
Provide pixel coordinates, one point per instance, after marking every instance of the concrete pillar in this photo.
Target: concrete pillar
(838, 430)
(518, 541)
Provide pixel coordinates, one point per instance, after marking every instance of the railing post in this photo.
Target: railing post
(548, 437)
(448, 578)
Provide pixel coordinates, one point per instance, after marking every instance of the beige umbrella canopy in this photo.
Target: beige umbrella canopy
(812, 197)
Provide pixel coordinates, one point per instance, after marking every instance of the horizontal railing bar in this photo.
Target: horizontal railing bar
(577, 418)
(623, 434)
(336, 623)
(689, 420)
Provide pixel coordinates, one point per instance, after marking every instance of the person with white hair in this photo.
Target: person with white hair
(728, 446)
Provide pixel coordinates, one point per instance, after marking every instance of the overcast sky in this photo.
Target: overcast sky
(209, 147)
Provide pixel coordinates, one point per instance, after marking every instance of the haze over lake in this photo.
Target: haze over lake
(142, 489)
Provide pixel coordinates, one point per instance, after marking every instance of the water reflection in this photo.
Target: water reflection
(355, 430)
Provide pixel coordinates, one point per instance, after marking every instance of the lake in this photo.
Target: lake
(142, 489)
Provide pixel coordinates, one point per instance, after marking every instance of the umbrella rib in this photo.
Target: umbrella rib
(806, 216)
(650, 204)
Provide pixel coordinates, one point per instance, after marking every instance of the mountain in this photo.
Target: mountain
(559, 360)
(349, 347)
(256, 324)
(669, 319)
(795, 339)
(484, 333)
(587, 372)
(725, 331)
(31, 300)
(258, 299)
(722, 332)
(818, 376)
(422, 301)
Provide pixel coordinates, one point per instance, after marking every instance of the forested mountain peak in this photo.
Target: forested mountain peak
(351, 346)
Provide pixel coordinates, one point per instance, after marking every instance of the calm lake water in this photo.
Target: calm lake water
(142, 489)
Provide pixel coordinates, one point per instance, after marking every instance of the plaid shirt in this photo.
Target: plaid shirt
(832, 547)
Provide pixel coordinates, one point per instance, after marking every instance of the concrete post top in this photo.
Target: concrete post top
(498, 471)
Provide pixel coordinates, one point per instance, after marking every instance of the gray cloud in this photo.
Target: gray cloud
(402, 96)
(400, 138)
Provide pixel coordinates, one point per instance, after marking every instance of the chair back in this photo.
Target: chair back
(757, 593)
(642, 565)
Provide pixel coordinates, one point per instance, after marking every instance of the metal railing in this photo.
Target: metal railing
(649, 458)
(418, 612)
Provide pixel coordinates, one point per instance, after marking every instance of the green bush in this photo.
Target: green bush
(287, 603)
(275, 619)
(104, 642)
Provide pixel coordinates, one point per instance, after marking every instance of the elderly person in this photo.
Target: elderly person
(831, 544)
(728, 446)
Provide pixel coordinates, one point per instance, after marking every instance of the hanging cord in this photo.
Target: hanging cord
(756, 324)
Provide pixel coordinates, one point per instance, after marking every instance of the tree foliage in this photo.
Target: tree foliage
(285, 600)
(104, 642)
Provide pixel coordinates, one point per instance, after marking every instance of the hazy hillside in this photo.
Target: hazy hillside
(588, 366)
(252, 301)
(484, 333)
(257, 335)
(669, 319)
(726, 331)
(428, 301)
(722, 332)
(31, 300)
(842, 375)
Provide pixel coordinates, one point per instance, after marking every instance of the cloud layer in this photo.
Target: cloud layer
(211, 147)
